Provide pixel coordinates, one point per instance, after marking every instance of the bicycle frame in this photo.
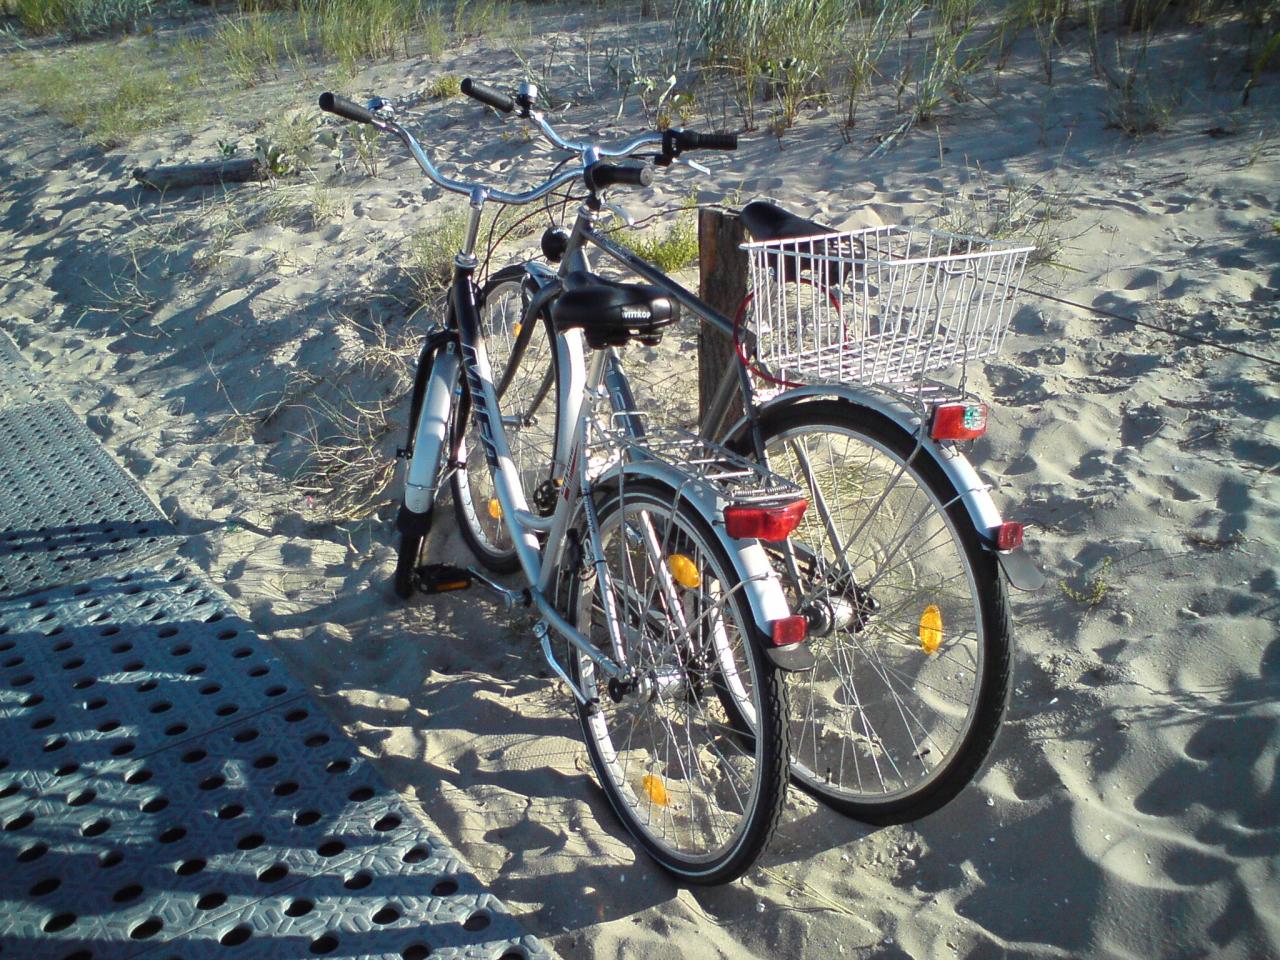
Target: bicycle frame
(974, 495)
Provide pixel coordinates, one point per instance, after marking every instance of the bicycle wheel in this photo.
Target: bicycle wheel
(698, 795)
(528, 408)
(913, 632)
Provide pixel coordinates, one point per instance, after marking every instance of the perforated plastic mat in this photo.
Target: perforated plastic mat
(17, 385)
(167, 791)
(68, 510)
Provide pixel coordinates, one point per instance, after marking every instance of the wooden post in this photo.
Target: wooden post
(722, 283)
(202, 174)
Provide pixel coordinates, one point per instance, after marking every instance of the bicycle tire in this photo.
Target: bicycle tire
(707, 828)
(868, 674)
(530, 432)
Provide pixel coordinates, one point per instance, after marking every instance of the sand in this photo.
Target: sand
(1132, 804)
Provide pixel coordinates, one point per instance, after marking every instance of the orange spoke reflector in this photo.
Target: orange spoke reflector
(931, 629)
(495, 509)
(654, 789)
(517, 327)
(684, 570)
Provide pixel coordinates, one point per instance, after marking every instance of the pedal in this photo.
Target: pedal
(443, 578)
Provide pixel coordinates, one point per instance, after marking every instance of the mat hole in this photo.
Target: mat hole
(265, 762)
(110, 858)
(338, 766)
(20, 821)
(81, 797)
(141, 775)
(54, 744)
(147, 928)
(66, 770)
(123, 749)
(212, 783)
(387, 914)
(210, 688)
(299, 907)
(227, 635)
(250, 842)
(96, 828)
(125, 894)
(294, 716)
(285, 789)
(79, 955)
(58, 922)
(331, 848)
(477, 921)
(230, 811)
(39, 723)
(180, 649)
(175, 729)
(173, 835)
(32, 852)
(305, 818)
(241, 652)
(274, 873)
(246, 736)
(360, 794)
(326, 944)
(194, 756)
(227, 709)
(445, 888)
(108, 725)
(415, 951)
(161, 707)
(47, 885)
(417, 854)
(316, 740)
(389, 822)
(358, 881)
(189, 868)
(97, 703)
(236, 935)
(154, 805)
(211, 901)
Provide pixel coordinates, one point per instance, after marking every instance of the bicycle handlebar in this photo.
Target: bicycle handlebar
(595, 174)
(487, 95)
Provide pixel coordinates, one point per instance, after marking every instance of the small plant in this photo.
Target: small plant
(1011, 209)
(368, 150)
(227, 149)
(274, 160)
(1092, 592)
(431, 252)
(670, 250)
(80, 18)
(445, 87)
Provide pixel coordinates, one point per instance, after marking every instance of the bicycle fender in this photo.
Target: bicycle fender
(760, 584)
(974, 494)
(431, 438)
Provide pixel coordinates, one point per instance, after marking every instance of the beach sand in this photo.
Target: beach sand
(1131, 807)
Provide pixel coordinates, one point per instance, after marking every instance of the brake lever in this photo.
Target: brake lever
(621, 214)
(693, 165)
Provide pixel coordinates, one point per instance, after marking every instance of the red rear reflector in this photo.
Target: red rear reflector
(764, 523)
(1008, 536)
(789, 630)
(959, 421)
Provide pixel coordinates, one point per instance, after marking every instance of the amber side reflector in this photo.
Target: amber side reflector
(789, 630)
(764, 523)
(1008, 536)
(958, 421)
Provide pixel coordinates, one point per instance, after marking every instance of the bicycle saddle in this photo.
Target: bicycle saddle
(610, 314)
(767, 221)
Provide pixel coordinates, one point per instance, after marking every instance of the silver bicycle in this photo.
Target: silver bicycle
(899, 565)
(658, 604)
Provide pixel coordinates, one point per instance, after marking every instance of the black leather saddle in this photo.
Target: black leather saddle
(768, 221)
(611, 314)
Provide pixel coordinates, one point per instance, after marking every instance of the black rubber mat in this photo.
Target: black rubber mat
(17, 384)
(68, 511)
(141, 816)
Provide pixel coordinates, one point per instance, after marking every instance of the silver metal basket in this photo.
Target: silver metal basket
(885, 305)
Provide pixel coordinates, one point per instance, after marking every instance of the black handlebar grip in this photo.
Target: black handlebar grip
(345, 108)
(688, 140)
(487, 95)
(601, 175)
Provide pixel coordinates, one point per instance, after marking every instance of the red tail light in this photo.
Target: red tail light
(958, 421)
(789, 630)
(764, 523)
(1008, 536)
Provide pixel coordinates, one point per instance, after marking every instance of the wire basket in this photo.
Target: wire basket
(886, 305)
